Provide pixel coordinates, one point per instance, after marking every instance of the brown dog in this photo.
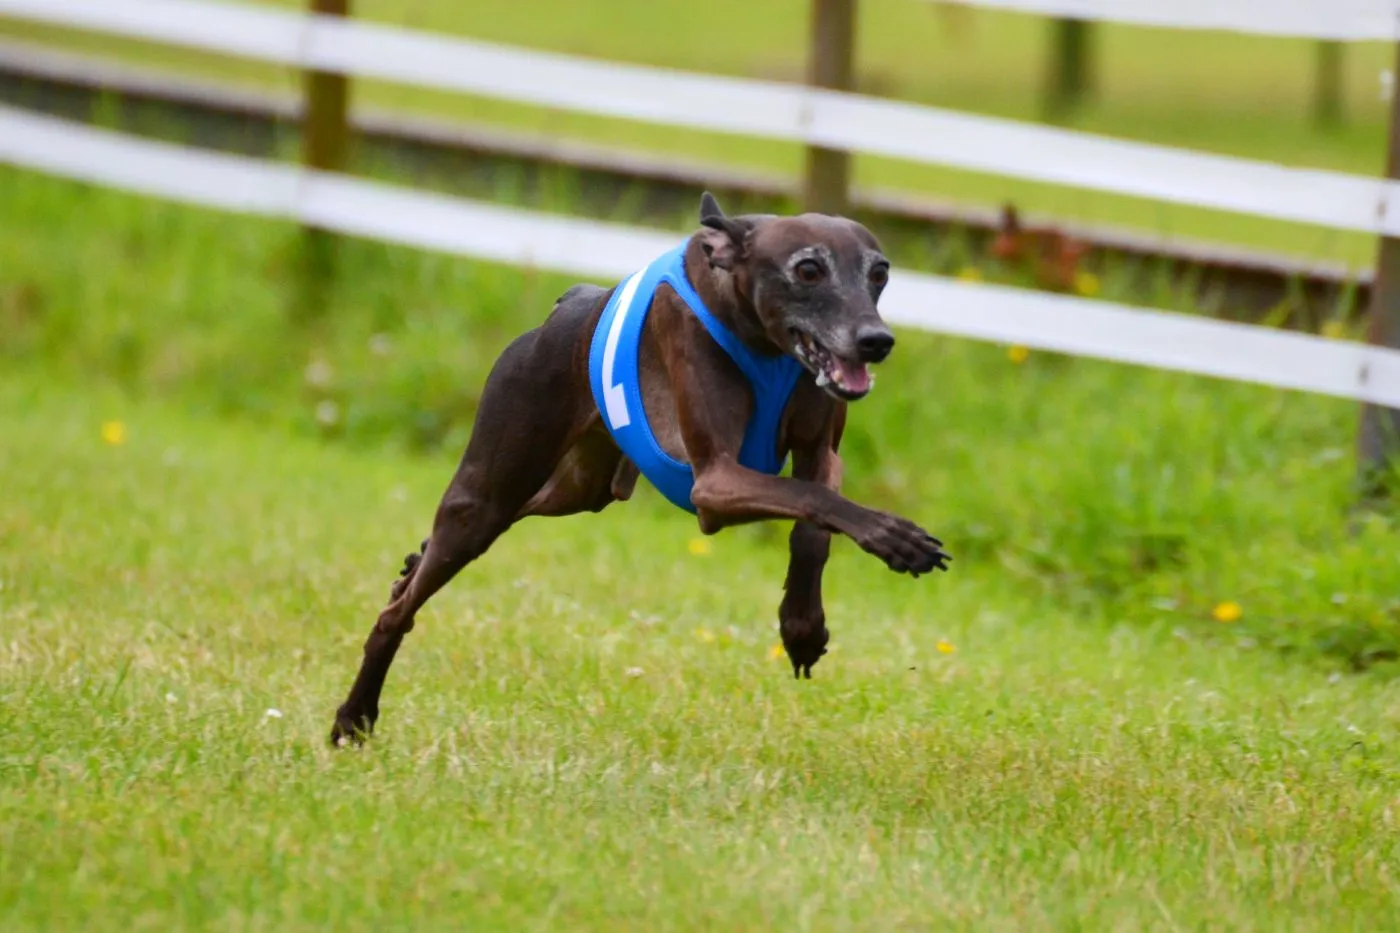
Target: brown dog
(793, 297)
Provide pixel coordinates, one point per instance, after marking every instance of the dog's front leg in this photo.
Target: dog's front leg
(801, 617)
(726, 493)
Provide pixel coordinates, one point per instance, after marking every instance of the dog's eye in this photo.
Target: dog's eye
(809, 271)
(879, 275)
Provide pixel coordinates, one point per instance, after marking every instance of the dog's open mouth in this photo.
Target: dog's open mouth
(845, 379)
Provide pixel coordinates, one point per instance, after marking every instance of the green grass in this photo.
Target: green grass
(588, 729)
(1210, 91)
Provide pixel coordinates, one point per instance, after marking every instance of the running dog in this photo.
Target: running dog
(703, 372)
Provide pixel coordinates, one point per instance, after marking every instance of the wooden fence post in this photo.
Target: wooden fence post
(1327, 83)
(1071, 66)
(830, 64)
(325, 145)
(1379, 436)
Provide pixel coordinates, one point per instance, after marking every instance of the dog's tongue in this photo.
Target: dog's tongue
(854, 377)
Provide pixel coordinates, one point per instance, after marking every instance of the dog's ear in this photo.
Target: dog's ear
(724, 238)
(709, 207)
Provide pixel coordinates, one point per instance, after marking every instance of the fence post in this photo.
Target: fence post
(830, 64)
(1327, 83)
(1070, 79)
(325, 144)
(1379, 435)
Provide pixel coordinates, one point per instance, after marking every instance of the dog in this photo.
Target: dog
(703, 371)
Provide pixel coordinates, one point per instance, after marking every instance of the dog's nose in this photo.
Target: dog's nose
(873, 344)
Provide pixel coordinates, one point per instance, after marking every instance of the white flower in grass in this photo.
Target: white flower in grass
(319, 374)
(273, 713)
(634, 672)
(170, 698)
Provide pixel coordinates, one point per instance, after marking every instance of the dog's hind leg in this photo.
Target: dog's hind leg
(468, 521)
(533, 409)
(410, 564)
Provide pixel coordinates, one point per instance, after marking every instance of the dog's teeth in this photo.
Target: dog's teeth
(822, 378)
(838, 378)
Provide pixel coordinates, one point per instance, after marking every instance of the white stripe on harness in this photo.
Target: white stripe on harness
(614, 397)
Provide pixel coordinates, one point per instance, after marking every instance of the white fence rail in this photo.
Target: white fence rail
(754, 108)
(1343, 20)
(609, 252)
(766, 110)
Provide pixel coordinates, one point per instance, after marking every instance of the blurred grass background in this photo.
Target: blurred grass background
(1179, 491)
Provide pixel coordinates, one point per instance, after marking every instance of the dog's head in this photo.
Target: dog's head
(812, 282)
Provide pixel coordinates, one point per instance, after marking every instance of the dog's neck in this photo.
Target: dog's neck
(717, 288)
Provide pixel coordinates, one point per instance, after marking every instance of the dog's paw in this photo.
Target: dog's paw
(902, 545)
(805, 645)
(351, 729)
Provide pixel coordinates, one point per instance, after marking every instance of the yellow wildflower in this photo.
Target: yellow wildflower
(1086, 284)
(970, 274)
(1334, 330)
(705, 635)
(1227, 612)
(946, 647)
(114, 432)
(776, 652)
(699, 546)
(1018, 354)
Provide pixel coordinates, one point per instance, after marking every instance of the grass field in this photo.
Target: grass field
(589, 730)
(1210, 91)
(1156, 691)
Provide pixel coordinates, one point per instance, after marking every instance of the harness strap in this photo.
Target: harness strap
(614, 374)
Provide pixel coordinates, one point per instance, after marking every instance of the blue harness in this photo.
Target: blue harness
(616, 381)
